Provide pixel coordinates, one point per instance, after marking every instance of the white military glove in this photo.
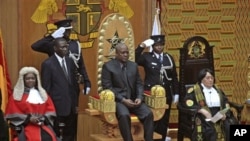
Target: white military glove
(148, 42)
(86, 90)
(58, 33)
(176, 98)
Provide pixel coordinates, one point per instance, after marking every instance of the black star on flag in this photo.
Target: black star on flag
(114, 41)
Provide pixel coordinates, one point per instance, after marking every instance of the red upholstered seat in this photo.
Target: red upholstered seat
(96, 96)
(147, 93)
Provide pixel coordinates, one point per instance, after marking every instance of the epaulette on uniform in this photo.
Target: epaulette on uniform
(190, 90)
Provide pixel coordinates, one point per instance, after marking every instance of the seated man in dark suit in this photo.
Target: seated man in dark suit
(122, 77)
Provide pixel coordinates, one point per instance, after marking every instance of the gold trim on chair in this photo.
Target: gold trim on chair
(114, 28)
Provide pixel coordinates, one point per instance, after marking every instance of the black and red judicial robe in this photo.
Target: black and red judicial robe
(18, 113)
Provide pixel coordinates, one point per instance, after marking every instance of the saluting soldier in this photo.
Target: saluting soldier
(159, 69)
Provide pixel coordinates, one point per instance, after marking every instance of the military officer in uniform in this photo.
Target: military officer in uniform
(159, 69)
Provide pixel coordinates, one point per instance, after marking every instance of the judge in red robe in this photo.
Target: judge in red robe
(30, 109)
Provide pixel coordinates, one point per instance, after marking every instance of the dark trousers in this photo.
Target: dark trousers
(142, 112)
(70, 129)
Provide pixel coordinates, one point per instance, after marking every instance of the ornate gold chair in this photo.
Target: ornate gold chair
(195, 55)
(116, 28)
(103, 107)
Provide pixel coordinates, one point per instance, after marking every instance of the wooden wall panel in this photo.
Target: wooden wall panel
(241, 83)
(225, 25)
(29, 33)
(9, 28)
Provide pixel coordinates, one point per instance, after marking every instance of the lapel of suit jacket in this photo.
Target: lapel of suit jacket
(127, 71)
(59, 67)
(118, 65)
(68, 63)
(57, 64)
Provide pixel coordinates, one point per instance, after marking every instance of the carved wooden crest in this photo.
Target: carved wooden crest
(196, 49)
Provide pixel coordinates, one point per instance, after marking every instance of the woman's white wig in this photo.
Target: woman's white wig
(19, 87)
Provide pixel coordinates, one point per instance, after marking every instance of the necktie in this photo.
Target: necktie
(124, 72)
(64, 68)
(124, 68)
(160, 58)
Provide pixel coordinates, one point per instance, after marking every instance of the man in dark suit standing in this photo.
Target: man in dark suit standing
(159, 69)
(58, 79)
(122, 77)
(45, 45)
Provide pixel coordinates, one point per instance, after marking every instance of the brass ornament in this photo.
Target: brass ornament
(189, 102)
(107, 95)
(198, 121)
(190, 90)
(196, 49)
(158, 91)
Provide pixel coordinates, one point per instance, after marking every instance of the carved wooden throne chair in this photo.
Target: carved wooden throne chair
(195, 55)
(114, 29)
